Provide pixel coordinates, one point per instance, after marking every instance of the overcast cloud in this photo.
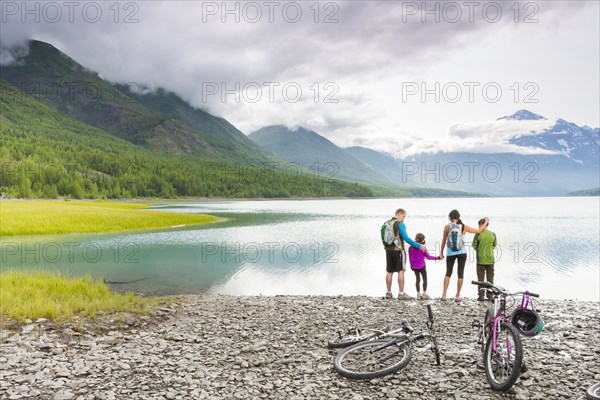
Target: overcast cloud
(361, 78)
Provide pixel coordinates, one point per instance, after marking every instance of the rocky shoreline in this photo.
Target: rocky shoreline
(225, 347)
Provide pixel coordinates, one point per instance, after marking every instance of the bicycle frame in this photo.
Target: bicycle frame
(499, 317)
(405, 334)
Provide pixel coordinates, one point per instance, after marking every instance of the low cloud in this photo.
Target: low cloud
(499, 131)
(485, 137)
(13, 55)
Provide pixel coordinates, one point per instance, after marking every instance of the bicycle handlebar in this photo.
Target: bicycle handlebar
(487, 285)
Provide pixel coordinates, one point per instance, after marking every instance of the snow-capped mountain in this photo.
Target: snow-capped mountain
(573, 163)
(522, 115)
(579, 143)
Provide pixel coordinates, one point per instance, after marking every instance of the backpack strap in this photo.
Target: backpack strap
(397, 232)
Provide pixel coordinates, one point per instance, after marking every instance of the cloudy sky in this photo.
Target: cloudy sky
(398, 76)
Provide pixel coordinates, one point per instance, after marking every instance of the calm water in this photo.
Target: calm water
(329, 247)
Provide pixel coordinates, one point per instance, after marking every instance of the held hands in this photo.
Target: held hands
(441, 257)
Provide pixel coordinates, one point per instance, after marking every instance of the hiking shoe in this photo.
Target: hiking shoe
(425, 296)
(389, 295)
(457, 299)
(404, 296)
(419, 296)
(443, 298)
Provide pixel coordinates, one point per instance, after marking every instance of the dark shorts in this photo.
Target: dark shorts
(395, 260)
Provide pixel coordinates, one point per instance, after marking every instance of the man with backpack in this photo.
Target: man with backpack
(393, 236)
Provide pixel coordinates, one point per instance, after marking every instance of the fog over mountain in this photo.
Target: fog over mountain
(353, 62)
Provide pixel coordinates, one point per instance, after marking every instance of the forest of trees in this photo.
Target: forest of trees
(36, 167)
(45, 154)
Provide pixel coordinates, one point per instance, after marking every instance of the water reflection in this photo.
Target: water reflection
(328, 247)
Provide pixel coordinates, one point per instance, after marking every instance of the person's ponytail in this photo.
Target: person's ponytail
(464, 228)
(454, 214)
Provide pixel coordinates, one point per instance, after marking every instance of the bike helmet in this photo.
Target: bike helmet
(527, 322)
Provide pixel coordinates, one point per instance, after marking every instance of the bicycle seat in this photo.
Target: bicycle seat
(405, 326)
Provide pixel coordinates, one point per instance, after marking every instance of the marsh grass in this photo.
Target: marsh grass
(59, 217)
(52, 295)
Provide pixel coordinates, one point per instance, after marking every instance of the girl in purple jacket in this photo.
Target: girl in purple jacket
(417, 264)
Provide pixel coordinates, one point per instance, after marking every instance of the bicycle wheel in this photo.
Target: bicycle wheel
(373, 359)
(489, 314)
(355, 335)
(593, 393)
(489, 318)
(503, 365)
(434, 345)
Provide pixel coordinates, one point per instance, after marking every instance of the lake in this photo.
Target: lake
(329, 247)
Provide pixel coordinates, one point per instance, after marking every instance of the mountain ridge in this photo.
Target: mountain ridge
(311, 150)
(572, 162)
(160, 120)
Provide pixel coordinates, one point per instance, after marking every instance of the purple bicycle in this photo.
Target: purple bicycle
(499, 336)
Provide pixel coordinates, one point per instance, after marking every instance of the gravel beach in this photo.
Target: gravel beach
(225, 347)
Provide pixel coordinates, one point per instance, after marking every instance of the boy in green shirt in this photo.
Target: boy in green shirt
(484, 244)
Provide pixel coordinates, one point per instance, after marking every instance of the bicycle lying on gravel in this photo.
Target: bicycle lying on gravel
(356, 334)
(593, 392)
(499, 335)
(380, 352)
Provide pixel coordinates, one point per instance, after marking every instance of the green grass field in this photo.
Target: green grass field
(38, 294)
(59, 217)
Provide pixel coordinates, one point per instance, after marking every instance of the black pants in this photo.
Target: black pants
(422, 272)
(462, 260)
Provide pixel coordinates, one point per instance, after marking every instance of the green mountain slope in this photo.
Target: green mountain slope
(45, 153)
(60, 82)
(313, 151)
(159, 120)
(383, 163)
(224, 138)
